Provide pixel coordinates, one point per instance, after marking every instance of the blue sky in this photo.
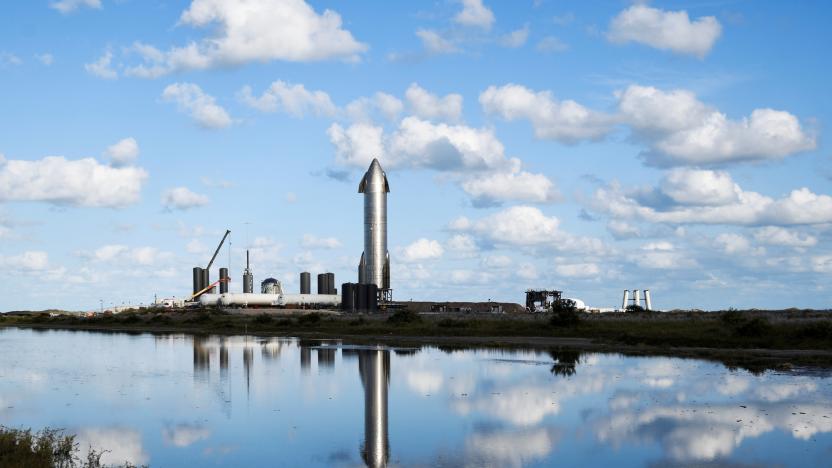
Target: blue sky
(585, 146)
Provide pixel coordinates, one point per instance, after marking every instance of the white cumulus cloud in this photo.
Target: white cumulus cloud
(800, 206)
(430, 106)
(665, 30)
(30, 260)
(683, 130)
(200, 106)
(564, 121)
(251, 31)
(422, 249)
(59, 181)
(68, 6)
(495, 188)
(124, 152)
(293, 99)
(775, 235)
(103, 67)
(474, 13)
(314, 242)
(434, 43)
(182, 198)
(516, 38)
(526, 226)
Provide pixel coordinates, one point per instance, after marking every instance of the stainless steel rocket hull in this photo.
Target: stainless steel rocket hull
(374, 267)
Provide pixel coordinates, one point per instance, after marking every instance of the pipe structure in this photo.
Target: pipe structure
(625, 300)
(647, 302)
(374, 267)
(636, 297)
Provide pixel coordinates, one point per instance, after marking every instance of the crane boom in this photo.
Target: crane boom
(227, 232)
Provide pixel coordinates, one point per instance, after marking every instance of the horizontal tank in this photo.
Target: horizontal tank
(248, 299)
(269, 300)
(310, 299)
(209, 299)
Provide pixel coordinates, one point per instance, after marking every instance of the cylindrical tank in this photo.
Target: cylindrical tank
(223, 280)
(647, 302)
(327, 300)
(625, 300)
(305, 283)
(636, 297)
(206, 281)
(209, 299)
(330, 283)
(197, 279)
(248, 282)
(372, 297)
(348, 297)
(322, 283)
(361, 297)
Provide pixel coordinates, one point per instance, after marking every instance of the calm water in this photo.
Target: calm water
(244, 401)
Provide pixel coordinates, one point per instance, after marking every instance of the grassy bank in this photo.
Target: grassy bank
(806, 335)
(49, 448)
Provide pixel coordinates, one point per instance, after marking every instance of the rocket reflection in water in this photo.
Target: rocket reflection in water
(374, 367)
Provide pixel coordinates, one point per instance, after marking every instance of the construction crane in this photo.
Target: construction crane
(201, 274)
(227, 232)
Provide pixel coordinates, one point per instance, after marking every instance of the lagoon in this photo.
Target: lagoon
(186, 400)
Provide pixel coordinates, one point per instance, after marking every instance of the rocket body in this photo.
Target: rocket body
(374, 267)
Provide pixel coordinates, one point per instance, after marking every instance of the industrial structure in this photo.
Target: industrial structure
(541, 300)
(374, 267)
(636, 299)
(373, 284)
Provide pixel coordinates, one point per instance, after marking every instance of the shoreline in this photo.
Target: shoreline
(379, 330)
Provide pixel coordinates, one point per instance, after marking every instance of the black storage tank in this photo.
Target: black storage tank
(223, 280)
(197, 280)
(322, 283)
(372, 298)
(330, 283)
(361, 297)
(305, 283)
(348, 297)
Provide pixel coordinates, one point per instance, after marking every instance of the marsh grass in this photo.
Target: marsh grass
(49, 448)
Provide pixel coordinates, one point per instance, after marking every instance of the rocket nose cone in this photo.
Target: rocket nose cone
(375, 179)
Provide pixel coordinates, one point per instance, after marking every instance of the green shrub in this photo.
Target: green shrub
(731, 318)
(821, 330)
(634, 309)
(404, 316)
(130, 318)
(451, 323)
(263, 319)
(564, 314)
(160, 318)
(754, 328)
(357, 322)
(20, 448)
(309, 319)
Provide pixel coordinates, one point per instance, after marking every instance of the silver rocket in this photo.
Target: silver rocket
(374, 267)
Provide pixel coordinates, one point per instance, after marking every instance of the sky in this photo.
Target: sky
(589, 147)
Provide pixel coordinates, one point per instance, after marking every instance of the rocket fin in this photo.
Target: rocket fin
(362, 266)
(363, 184)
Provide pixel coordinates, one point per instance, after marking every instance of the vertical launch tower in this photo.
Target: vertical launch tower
(374, 267)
